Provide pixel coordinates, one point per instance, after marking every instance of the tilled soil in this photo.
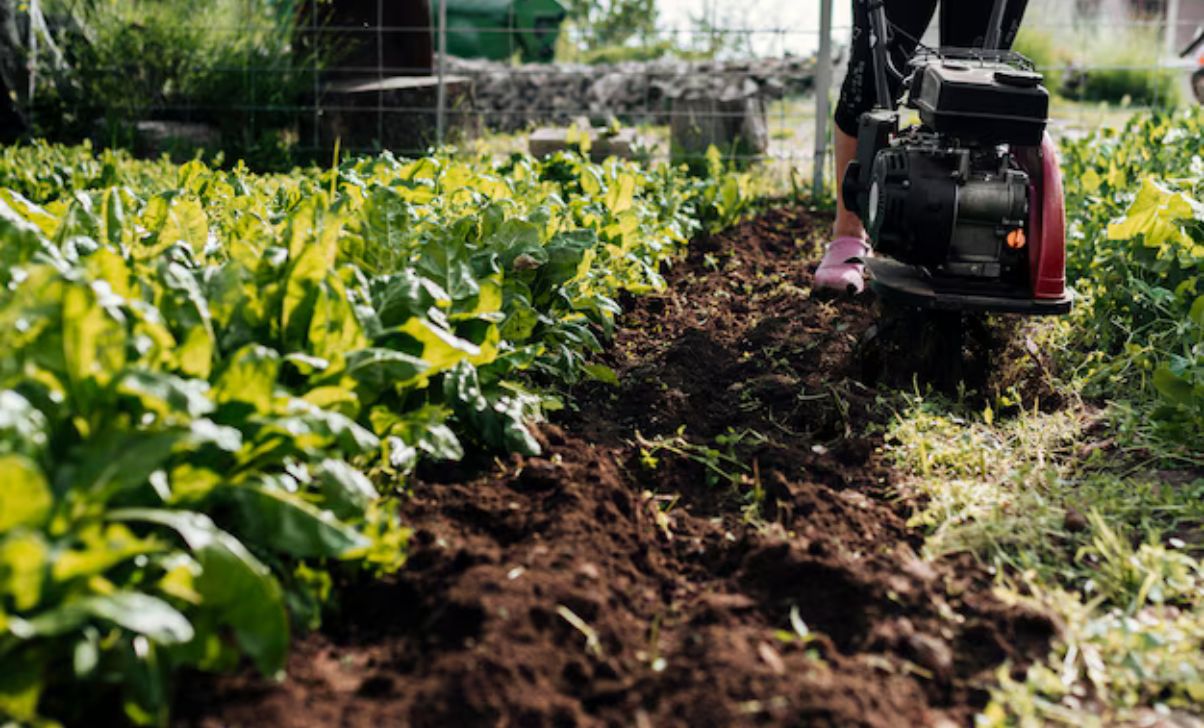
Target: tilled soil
(631, 577)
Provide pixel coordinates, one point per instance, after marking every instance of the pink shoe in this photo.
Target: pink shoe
(843, 267)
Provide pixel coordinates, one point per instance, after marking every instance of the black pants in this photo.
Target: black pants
(963, 25)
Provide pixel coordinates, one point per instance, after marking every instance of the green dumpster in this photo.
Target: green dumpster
(498, 29)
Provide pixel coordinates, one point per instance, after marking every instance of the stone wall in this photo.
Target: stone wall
(512, 97)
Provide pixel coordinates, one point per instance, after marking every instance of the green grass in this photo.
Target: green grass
(1093, 528)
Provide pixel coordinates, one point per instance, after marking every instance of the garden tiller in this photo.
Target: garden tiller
(965, 209)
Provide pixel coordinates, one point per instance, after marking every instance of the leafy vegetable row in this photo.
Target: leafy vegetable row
(197, 373)
(1137, 254)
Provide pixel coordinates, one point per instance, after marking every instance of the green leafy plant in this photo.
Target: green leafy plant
(1135, 255)
(199, 368)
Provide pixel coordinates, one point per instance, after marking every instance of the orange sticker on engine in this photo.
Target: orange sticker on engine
(1016, 239)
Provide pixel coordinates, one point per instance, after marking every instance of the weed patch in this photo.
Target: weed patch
(1085, 527)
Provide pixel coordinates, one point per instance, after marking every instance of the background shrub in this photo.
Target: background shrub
(1050, 59)
(228, 63)
(1119, 65)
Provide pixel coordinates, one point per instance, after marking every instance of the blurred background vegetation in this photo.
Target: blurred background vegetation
(230, 64)
(1111, 63)
(235, 66)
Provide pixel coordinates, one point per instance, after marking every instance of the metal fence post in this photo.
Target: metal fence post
(1172, 30)
(823, 86)
(380, 73)
(441, 95)
(32, 63)
(317, 84)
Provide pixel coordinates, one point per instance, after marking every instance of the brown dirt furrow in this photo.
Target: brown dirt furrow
(615, 582)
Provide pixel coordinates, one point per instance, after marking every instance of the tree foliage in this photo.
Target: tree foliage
(603, 23)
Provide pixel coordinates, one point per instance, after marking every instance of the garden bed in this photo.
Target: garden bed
(714, 539)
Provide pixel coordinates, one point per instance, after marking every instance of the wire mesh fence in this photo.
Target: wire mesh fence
(294, 79)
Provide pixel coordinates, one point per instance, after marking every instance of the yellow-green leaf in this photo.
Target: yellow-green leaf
(440, 348)
(1154, 214)
(1091, 181)
(249, 376)
(1197, 312)
(21, 682)
(93, 342)
(621, 194)
(333, 329)
(98, 549)
(23, 561)
(25, 496)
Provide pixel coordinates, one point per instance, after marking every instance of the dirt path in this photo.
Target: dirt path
(609, 583)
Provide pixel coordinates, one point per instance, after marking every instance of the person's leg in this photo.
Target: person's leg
(840, 269)
(844, 149)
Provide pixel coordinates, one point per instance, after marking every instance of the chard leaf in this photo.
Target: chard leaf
(22, 426)
(517, 237)
(378, 370)
(93, 343)
(566, 252)
(312, 428)
(187, 313)
(334, 329)
(446, 263)
(313, 238)
(139, 613)
(24, 561)
(347, 491)
(98, 548)
(249, 377)
(123, 461)
(173, 219)
(276, 518)
(621, 194)
(22, 680)
(424, 429)
(167, 396)
(112, 216)
(386, 219)
(397, 298)
(25, 496)
(441, 349)
(233, 584)
(499, 419)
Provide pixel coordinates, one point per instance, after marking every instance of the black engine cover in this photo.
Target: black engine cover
(948, 194)
(947, 208)
(980, 101)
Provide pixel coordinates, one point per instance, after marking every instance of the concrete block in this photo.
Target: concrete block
(603, 144)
